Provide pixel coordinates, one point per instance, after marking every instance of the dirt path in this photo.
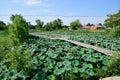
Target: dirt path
(102, 50)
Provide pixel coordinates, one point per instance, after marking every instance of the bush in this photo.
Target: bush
(20, 60)
(115, 32)
(114, 65)
(18, 30)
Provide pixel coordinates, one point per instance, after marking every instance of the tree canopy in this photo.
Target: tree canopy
(2, 25)
(89, 24)
(39, 24)
(18, 29)
(54, 25)
(113, 20)
(75, 24)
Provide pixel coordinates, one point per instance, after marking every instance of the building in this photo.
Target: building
(86, 27)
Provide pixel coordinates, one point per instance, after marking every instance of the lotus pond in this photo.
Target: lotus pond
(53, 60)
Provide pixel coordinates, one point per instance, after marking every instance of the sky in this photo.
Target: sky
(87, 11)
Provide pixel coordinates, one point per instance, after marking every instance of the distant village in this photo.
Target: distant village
(94, 27)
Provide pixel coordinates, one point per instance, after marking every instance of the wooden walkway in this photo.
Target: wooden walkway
(102, 50)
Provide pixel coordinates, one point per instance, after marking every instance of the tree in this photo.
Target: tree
(54, 25)
(113, 20)
(75, 24)
(39, 24)
(2, 25)
(89, 24)
(30, 26)
(18, 29)
(48, 27)
(100, 24)
(57, 24)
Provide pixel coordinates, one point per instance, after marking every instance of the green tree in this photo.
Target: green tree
(2, 25)
(89, 24)
(18, 29)
(48, 26)
(30, 26)
(100, 24)
(54, 25)
(113, 20)
(57, 24)
(39, 24)
(75, 24)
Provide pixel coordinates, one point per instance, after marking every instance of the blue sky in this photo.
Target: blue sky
(93, 11)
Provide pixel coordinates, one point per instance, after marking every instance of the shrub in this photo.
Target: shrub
(114, 64)
(115, 31)
(18, 30)
(20, 60)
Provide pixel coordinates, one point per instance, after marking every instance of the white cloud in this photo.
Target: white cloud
(28, 2)
(32, 2)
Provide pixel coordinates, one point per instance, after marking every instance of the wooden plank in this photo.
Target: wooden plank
(102, 50)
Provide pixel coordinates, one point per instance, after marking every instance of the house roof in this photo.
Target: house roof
(86, 27)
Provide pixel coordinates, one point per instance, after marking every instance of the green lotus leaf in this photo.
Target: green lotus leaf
(90, 72)
(58, 71)
(66, 63)
(90, 65)
(75, 69)
(59, 64)
(67, 67)
(104, 68)
(52, 77)
(75, 62)
(82, 70)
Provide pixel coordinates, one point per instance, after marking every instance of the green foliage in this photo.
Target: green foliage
(4, 44)
(115, 32)
(6, 74)
(54, 60)
(41, 59)
(48, 27)
(2, 25)
(30, 26)
(113, 20)
(65, 61)
(52, 77)
(75, 24)
(39, 24)
(58, 24)
(89, 24)
(53, 25)
(4, 40)
(18, 30)
(114, 64)
(98, 39)
(20, 60)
